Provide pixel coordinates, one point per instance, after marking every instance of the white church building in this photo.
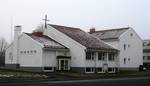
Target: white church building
(61, 48)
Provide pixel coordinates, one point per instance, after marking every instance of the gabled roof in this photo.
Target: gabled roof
(84, 38)
(110, 34)
(46, 41)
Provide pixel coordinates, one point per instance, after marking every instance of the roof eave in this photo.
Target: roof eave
(102, 50)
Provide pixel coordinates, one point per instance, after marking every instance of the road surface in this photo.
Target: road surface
(140, 81)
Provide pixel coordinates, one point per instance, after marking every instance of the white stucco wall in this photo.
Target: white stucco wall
(76, 50)
(133, 49)
(49, 59)
(33, 59)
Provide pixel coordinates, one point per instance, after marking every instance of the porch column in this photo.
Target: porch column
(107, 57)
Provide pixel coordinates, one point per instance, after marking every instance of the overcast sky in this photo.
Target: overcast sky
(101, 14)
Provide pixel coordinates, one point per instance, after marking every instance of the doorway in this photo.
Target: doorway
(63, 64)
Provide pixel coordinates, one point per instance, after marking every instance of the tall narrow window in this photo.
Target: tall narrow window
(124, 46)
(124, 60)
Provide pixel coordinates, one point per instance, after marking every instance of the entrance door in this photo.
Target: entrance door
(105, 67)
(63, 64)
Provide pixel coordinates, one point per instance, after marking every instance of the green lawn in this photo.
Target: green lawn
(120, 74)
(10, 75)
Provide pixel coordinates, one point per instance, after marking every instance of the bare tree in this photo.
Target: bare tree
(3, 46)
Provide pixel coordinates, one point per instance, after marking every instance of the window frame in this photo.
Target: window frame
(103, 56)
(112, 57)
(90, 55)
(92, 69)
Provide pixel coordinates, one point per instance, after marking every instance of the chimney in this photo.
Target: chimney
(92, 30)
(17, 32)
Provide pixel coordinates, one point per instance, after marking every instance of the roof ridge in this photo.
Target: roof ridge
(113, 29)
(64, 26)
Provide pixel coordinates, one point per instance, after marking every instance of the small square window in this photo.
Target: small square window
(129, 45)
(21, 52)
(27, 51)
(110, 69)
(24, 52)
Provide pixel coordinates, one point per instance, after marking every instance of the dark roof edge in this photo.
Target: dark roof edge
(113, 29)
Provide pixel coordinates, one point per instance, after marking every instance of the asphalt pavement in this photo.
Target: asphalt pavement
(137, 81)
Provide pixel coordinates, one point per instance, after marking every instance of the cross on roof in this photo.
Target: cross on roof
(45, 20)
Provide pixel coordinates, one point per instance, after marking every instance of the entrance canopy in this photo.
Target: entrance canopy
(63, 57)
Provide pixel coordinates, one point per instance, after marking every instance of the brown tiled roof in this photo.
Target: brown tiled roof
(82, 37)
(110, 34)
(46, 41)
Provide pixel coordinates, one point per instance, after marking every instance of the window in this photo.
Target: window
(148, 58)
(131, 34)
(21, 52)
(124, 60)
(34, 51)
(90, 55)
(129, 45)
(10, 56)
(31, 51)
(89, 70)
(27, 51)
(48, 69)
(124, 46)
(144, 57)
(111, 56)
(24, 52)
(101, 56)
(129, 59)
(99, 70)
(111, 70)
